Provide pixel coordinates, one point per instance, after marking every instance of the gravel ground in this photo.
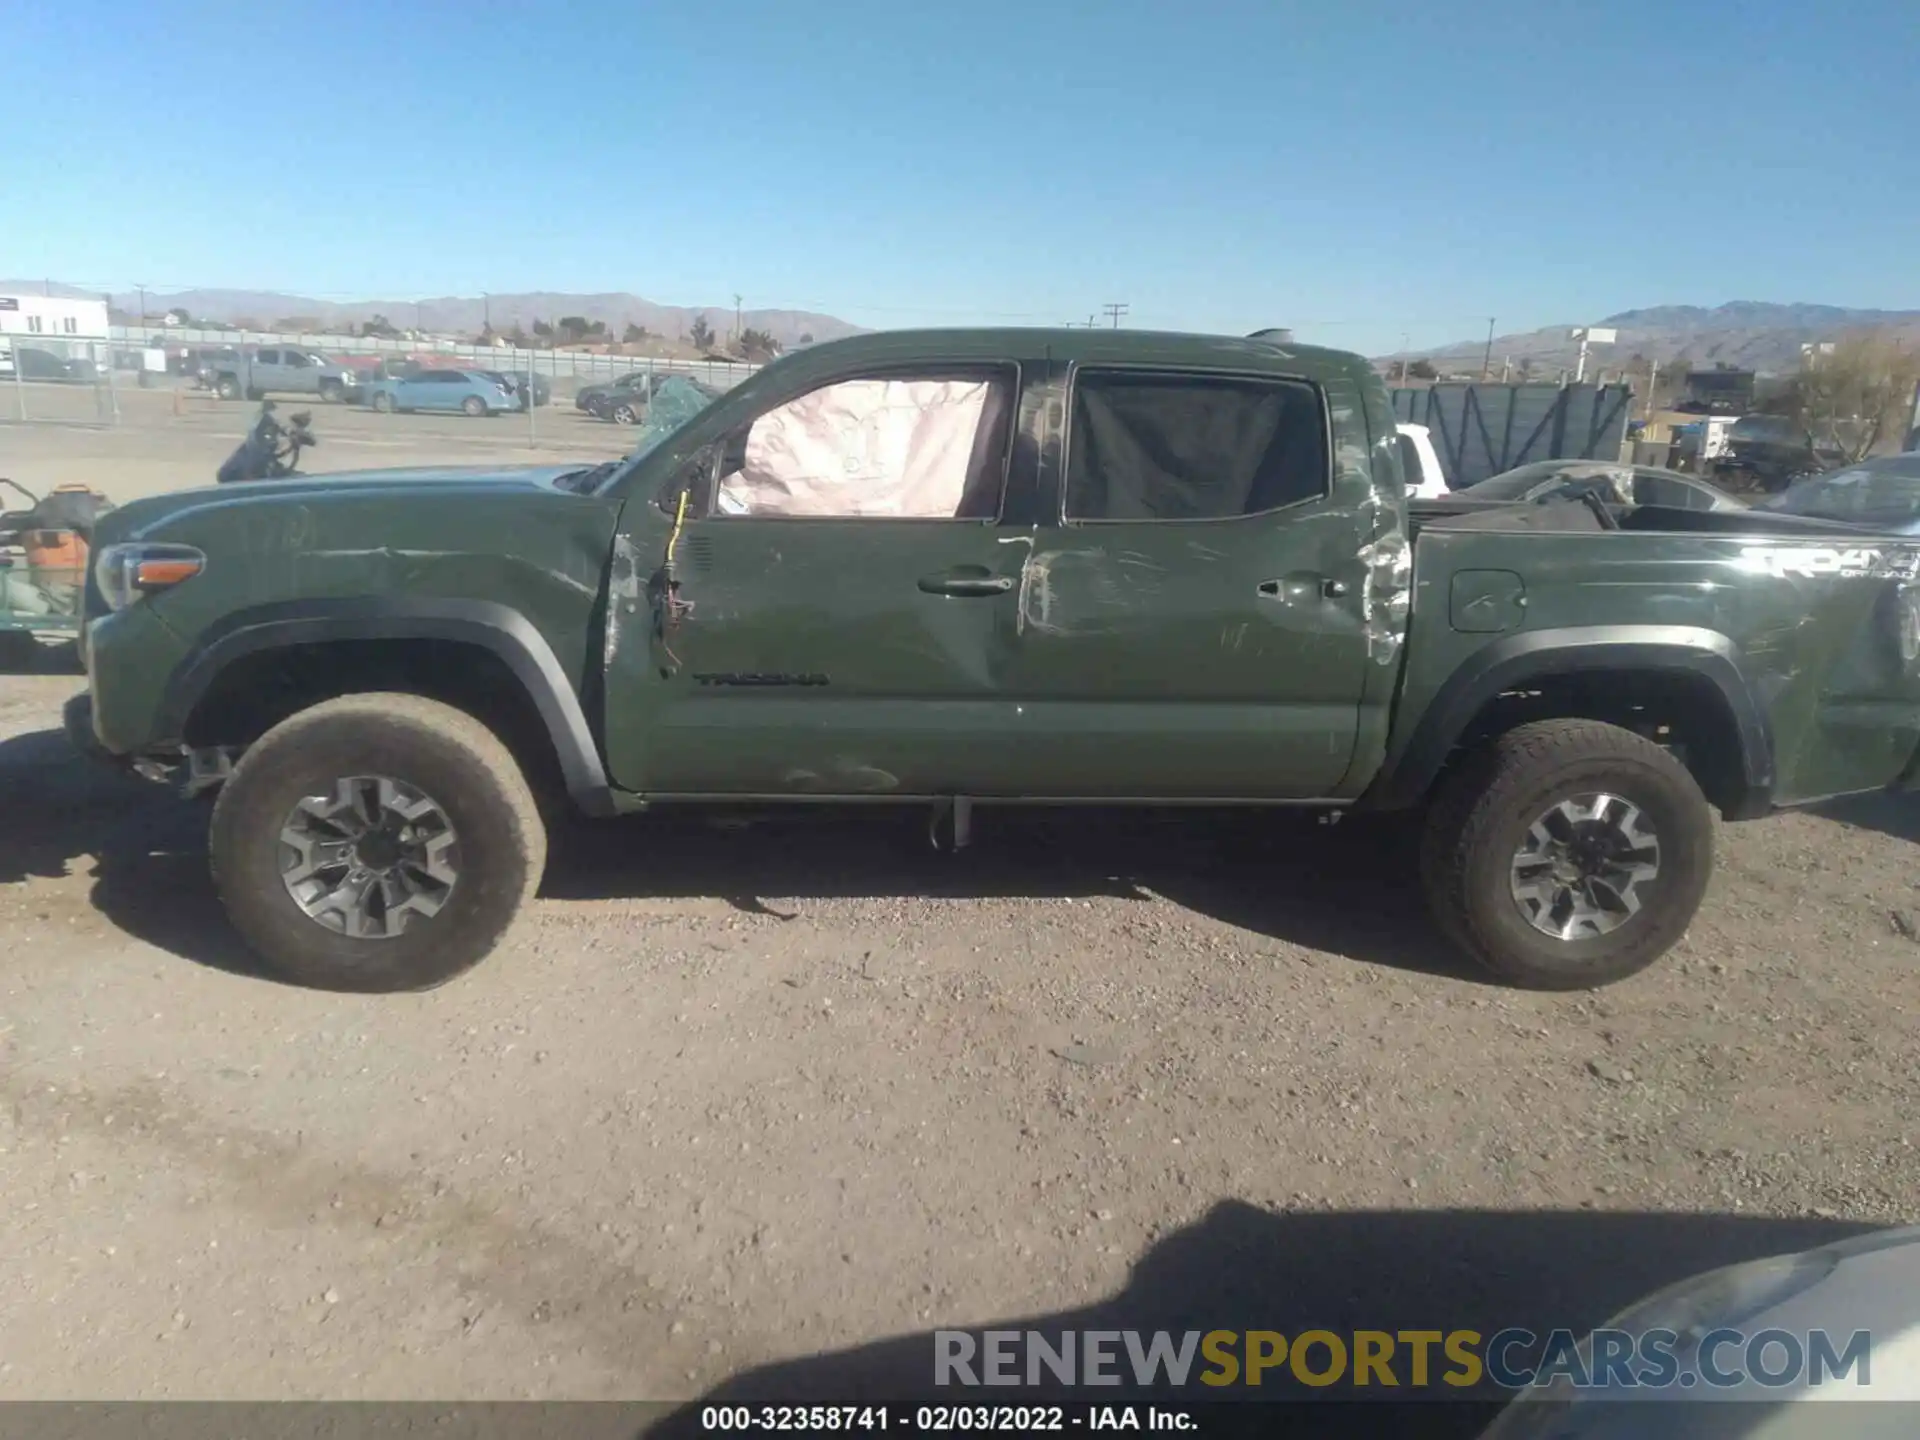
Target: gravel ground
(760, 1106)
(738, 1095)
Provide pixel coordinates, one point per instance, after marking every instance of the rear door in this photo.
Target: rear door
(1191, 621)
(436, 389)
(850, 591)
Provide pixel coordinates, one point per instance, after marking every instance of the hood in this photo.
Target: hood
(413, 486)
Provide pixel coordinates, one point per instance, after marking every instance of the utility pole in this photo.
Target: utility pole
(486, 302)
(1653, 383)
(736, 318)
(143, 303)
(1506, 368)
(1403, 358)
(1486, 362)
(1115, 309)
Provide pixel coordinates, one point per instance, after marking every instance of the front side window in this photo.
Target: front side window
(1154, 446)
(896, 447)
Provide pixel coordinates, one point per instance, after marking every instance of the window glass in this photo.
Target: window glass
(267, 357)
(1410, 470)
(904, 448)
(1191, 447)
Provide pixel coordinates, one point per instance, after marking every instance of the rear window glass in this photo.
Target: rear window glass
(1147, 446)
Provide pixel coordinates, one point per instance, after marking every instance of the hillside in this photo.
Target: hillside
(462, 315)
(1750, 334)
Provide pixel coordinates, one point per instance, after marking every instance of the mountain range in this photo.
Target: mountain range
(1748, 334)
(460, 315)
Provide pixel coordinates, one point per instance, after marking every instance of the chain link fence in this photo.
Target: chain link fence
(64, 379)
(566, 370)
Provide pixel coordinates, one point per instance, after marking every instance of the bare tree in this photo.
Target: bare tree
(1856, 395)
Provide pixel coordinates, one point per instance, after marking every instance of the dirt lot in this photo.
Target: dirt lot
(771, 1096)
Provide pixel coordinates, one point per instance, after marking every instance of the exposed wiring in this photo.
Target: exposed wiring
(669, 608)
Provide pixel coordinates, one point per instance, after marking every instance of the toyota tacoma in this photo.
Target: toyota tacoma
(957, 568)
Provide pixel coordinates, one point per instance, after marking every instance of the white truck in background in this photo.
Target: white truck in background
(1421, 463)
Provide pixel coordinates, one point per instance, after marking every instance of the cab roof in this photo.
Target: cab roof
(1089, 346)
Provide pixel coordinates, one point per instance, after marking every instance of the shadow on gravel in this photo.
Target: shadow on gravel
(145, 849)
(1349, 889)
(1345, 890)
(45, 657)
(1241, 1268)
(1890, 814)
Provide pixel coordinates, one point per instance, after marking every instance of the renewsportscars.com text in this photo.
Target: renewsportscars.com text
(1440, 1360)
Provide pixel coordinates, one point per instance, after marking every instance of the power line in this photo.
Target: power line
(1115, 309)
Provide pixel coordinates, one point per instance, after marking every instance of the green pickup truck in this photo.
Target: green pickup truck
(967, 567)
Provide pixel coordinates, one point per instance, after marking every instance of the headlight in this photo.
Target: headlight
(124, 573)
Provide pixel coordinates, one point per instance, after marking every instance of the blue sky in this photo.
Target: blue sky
(1356, 170)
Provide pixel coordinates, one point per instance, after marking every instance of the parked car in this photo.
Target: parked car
(1770, 452)
(1684, 1363)
(275, 370)
(1880, 494)
(1621, 483)
(465, 390)
(533, 380)
(523, 383)
(36, 364)
(1187, 574)
(634, 389)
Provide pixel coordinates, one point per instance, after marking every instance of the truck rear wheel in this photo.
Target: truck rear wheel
(227, 388)
(376, 842)
(1567, 854)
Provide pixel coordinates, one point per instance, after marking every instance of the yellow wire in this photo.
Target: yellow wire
(679, 519)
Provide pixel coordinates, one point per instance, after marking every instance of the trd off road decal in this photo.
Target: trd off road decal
(1846, 562)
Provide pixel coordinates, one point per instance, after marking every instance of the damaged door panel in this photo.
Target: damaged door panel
(1167, 651)
(835, 615)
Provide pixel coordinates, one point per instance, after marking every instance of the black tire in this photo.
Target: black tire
(447, 754)
(625, 414)
(332, 391)
(383, 402)
(227, 388)
(474, 406)
(1481, 816)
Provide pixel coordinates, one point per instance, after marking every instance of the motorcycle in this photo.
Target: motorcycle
(271, 450)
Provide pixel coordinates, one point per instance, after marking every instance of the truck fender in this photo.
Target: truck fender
(1415, 760)
(504, 631)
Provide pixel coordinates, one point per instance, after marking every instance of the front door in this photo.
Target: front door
(1191, 624)
(847, 598)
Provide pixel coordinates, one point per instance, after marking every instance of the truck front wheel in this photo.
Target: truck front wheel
(1567, 854)
(376, 842)
(227, 388)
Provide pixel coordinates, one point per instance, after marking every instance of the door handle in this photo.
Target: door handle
(959, 584)
(1296, 589)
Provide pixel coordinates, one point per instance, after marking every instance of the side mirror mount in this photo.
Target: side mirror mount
(695, 480)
